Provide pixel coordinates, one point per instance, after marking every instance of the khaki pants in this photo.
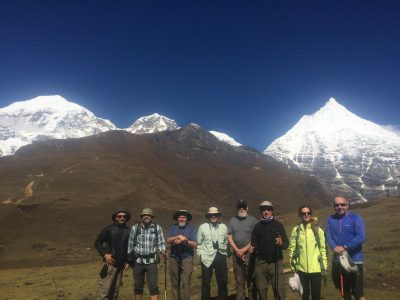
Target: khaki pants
(243, 272)
(109, 282)
(186, 277)
(264, 274)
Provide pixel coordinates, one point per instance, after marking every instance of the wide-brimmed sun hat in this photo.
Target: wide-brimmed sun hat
(147, 211)
(295, 284)
(182, 212)
(213, 211)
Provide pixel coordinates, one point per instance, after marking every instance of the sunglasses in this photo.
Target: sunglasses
(340, 204)
(122, 216)
(269, 208)
(213, 216)
(306, 213)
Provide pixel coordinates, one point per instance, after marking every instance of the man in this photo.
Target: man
(269, 238)
(212, 243)
(239, 238)
(345, 232)
(112, 244)
(182, 237)
(145, 241)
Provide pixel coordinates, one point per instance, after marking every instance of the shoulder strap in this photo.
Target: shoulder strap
(136, 235)
(315, 229)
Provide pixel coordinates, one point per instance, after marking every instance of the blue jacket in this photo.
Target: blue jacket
(347, 231)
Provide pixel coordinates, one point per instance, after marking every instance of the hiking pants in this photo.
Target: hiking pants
(352, 283)
(244, 273)
(151, 273)
(221, 274)
(313, 280)
(264, 274)
(186, 277)
(109, 282)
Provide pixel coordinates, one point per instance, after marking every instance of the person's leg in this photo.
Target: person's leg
(206, 274)
(173, 275)
(251, 285)
(138, 275)
(221, 274)
(187, 271)
(107, 282)
(152, 280)
(238, 272)
(280, 289)
(261, 279)
(117, 284)
(305, 282)
(315, 281)
(358, 286)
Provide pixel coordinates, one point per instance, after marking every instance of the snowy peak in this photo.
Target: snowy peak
(151, 124)
(349, 154)
(225, 138)
(54, 103)
(46, 117)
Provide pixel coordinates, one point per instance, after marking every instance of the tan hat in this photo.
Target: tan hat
(213, 211)
(266, 203)
(147, 211)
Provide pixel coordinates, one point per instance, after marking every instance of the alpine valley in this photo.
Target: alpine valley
(349, 155)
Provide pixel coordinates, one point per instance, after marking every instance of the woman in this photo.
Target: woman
(307, 253)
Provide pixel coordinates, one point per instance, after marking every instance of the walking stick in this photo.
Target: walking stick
(180, 269)
(165, 277)
(341, 285)
(276, 281)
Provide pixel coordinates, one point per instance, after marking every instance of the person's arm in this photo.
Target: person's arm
(131, 242)
(323, 249)
(200, 240)
(191, 239)
(101, 239)
(161, 241)
(292, 245)
(284, 241)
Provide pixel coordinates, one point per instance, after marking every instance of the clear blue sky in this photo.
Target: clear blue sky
(250, 69)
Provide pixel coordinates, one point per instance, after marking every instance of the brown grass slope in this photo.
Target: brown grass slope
(55, 196)
(78, 281)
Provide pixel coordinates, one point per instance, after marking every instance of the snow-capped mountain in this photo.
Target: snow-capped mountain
(152, 123)
(53, 117)
(350, 155)
(46, 117)
(225, 138)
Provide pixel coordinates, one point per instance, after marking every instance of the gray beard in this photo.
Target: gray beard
(181, 224)
(242, 214)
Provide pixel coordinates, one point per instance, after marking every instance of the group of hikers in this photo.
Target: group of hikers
(255, 246)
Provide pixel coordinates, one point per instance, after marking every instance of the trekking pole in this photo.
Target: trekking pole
(165, 277)
(276, 281)
(180, 269)
(341, 285)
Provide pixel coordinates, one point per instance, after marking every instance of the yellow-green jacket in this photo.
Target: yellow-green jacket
(307, 259)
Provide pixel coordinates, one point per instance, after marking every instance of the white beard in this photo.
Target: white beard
(181, 224)
(242, 214)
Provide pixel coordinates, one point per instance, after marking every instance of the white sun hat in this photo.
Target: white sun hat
(295, 284)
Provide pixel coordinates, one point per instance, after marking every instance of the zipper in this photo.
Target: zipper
(305, 236)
